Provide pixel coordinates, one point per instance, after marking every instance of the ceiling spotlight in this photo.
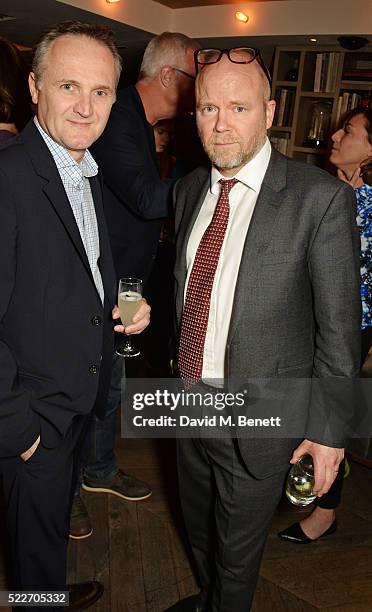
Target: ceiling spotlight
(241, 17)
(313, 39)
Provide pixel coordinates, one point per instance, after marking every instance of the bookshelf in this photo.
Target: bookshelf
(313, 87)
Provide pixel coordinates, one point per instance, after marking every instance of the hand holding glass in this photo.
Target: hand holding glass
(129, 302)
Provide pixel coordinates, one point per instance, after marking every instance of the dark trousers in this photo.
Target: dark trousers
(38, 493)
(98, 458)
(227, 514)
(332, 499)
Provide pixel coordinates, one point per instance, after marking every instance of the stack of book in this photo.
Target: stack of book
(357, 75)
(326, 71)
(281, 143)
(358, 68)
(351, 99)
(284, 106)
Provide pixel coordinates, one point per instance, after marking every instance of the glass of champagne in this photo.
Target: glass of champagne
(129, 301)
(300, 482)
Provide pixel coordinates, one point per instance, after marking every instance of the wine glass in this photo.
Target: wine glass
(300, 482)
(129, 301)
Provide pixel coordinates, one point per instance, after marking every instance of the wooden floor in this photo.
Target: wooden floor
(137, 549)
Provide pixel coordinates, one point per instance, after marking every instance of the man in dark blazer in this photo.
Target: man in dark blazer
(136, 203)
(57, 298)
(283, 303)
(136, 199)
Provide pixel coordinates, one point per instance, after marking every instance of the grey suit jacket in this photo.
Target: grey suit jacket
(296, 311)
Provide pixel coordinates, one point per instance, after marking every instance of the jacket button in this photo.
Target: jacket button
(93, 369)
(96, 321)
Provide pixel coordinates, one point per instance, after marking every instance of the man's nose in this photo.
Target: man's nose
(221, 121)
(83, 106)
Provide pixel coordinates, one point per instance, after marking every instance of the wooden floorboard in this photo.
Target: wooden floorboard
(270, 597)
(157, 559)
(126, 563)
(139, 551)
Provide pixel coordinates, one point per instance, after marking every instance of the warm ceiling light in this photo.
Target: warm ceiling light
(241, 17)
(313, 39)
(112, 1)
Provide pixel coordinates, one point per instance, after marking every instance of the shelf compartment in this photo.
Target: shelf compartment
(316, 94)
(357, 67)
(315, 121)
(288, 66)
(285, 101)
(320, 71)
(360, 85)
(312, 150)
(277, 128)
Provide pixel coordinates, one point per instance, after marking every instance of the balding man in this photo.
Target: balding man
(267, 286)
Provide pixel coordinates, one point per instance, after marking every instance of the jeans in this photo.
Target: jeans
(98, 457)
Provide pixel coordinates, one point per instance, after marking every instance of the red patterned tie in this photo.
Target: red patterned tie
(198, 296)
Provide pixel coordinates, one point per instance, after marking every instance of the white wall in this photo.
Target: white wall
(277, 18)
(266, 18)
(144, 14)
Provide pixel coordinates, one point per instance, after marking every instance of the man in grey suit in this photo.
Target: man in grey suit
(267, 287)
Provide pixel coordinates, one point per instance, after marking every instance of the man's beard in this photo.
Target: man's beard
(229, 161)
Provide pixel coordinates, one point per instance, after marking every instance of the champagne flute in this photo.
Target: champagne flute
(129, 302)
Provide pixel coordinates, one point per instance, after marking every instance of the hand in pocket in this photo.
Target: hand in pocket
(28, 453)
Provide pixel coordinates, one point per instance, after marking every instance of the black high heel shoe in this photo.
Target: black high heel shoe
(295, 534)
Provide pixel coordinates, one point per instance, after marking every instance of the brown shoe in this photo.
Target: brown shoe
(80, 526)
(83, 595)
(121, 484)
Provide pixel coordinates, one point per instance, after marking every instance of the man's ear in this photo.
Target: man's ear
(33, 88)
(270, 111)
(166, 76)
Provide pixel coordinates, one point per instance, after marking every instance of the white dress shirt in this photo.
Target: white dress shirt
(242, 200)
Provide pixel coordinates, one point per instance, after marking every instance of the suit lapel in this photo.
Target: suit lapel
(56, 194)
(105, 258)
(196, 194)
(45, 167)
(194, 199)
(259, 235)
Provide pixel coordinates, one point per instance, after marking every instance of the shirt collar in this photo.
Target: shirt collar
(65, 162)
(251, 175)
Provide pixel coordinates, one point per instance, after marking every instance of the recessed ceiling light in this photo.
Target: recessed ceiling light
(241, 16)
(313, 39)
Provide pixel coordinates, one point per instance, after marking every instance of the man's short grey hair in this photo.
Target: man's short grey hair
(167, 49)
(96, 32)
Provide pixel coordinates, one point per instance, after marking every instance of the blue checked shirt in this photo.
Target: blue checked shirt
(74, 177)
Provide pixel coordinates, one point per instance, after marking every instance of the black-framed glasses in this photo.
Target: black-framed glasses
(190, 76)
(236, 55)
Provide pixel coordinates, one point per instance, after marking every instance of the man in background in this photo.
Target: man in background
(136, 202)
